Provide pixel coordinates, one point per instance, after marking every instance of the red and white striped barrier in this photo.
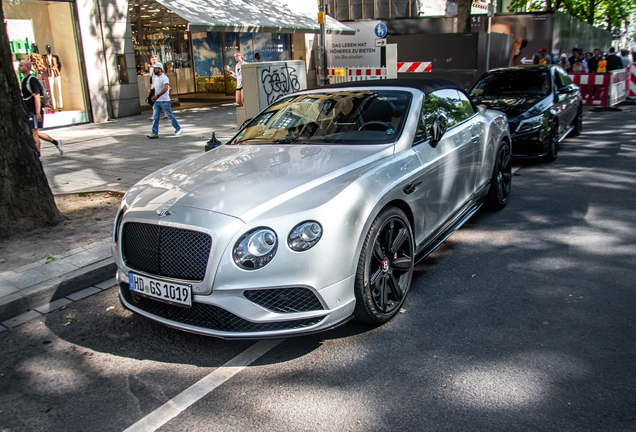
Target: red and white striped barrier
(364, 73)
(403, 67)
(631, 82)
(602, 89)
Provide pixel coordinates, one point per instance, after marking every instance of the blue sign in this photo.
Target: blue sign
(380, 30)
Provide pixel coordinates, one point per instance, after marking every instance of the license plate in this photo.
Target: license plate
(169, 292)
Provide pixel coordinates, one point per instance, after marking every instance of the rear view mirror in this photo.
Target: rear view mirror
(438, 129)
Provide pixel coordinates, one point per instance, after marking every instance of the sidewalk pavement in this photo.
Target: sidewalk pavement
(99, 157)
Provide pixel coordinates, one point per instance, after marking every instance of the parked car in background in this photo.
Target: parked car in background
(314, 213)
(542, 104)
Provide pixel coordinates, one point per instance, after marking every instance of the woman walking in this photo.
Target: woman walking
(239, 77)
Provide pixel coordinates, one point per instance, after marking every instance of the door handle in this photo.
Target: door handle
(410, 188)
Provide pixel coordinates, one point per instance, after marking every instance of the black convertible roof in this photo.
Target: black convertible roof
(425, 85)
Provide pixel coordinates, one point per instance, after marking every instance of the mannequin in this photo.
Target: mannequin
(55, 80)
(40, 67)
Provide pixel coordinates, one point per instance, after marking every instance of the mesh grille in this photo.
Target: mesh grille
(285, 300)
(209, 316)
(166, 251)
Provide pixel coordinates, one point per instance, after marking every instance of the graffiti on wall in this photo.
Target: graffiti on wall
(279, 80)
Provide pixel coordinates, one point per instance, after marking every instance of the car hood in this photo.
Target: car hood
(244, 181)
(513, 106)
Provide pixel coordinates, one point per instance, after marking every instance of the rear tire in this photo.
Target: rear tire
(501, 180)
(385, 268)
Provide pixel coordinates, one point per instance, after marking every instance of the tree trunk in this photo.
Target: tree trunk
(463, 16)
(590, 17)
(26, 201)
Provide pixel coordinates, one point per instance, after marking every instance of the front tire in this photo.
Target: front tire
(385, 268)
(501, 181)
(553, 143)
(578, 124)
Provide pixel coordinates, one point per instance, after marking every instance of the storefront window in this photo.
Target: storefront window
(208, 62)
(46, 33)
(158, 31)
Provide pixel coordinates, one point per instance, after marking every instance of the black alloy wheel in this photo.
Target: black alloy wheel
(385, 268)
(553, 142)
(501, 181)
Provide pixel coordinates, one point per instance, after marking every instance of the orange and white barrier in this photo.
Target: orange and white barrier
(403, 67)
(602, 89)
(364, 73)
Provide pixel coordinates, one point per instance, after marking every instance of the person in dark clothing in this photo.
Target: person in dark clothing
(613, 61)
(592, 64)
(31, 91)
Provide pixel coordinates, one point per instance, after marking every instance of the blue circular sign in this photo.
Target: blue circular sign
(380, 30)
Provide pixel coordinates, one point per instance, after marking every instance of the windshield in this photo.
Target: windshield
(330, 117)
(515, 82)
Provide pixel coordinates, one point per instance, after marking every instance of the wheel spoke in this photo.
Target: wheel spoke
(399, 241)
(383, 295)
(389, 236)
(395, 287)
(375, 276)
(402, 264)
(506, 161)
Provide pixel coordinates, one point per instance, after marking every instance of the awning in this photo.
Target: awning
(267, 16)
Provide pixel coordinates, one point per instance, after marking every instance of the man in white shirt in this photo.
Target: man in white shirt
(161, 99)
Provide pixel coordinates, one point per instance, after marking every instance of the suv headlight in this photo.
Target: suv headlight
(304, 236)
(530, 124)
(255, 249)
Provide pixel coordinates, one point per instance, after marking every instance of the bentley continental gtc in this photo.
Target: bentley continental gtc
(314, 213)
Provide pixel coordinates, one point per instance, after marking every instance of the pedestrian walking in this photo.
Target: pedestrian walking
(161, 99)
(239, 77)
(31, 91)
(151, 92)
(613, 61)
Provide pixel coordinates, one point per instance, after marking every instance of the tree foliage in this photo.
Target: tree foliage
(608, 14)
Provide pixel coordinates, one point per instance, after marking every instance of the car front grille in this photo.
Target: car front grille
(285, 300)
(209, 316)
(166, 251)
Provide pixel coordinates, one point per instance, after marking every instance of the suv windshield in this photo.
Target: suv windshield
(513, 82)
(330, 117)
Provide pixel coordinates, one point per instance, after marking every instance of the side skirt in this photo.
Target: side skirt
(454, 223)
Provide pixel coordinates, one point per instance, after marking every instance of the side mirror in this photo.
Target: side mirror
(245, 123)
(438, 129)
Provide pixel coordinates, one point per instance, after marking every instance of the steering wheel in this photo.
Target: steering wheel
(376, 122)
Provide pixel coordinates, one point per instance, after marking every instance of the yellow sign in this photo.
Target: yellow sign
(321, 17)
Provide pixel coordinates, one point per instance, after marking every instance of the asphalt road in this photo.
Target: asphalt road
(522, 320)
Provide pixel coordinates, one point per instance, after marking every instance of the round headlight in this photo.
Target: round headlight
(304, 236)
(255, 249)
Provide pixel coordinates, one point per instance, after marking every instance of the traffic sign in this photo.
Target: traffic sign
(380, 42)
(380, 30)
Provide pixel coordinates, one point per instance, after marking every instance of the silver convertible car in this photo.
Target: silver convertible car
(313, 213)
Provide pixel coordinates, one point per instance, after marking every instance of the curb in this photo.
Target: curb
(57, 288)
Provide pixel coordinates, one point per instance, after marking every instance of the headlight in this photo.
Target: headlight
(530, 124)
(117, 226)
(304, 236)
(255, 249)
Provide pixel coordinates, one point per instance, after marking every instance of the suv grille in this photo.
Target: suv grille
(285, 300)
(209, 316)
(166, 251)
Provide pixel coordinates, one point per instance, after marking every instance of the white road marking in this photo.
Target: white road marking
(182, 401)
(516, 168)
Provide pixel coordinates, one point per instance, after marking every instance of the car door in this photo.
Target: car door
(565, 100)
(449, 169)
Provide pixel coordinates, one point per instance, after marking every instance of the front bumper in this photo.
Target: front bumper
(230, 315)
(530, 144)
